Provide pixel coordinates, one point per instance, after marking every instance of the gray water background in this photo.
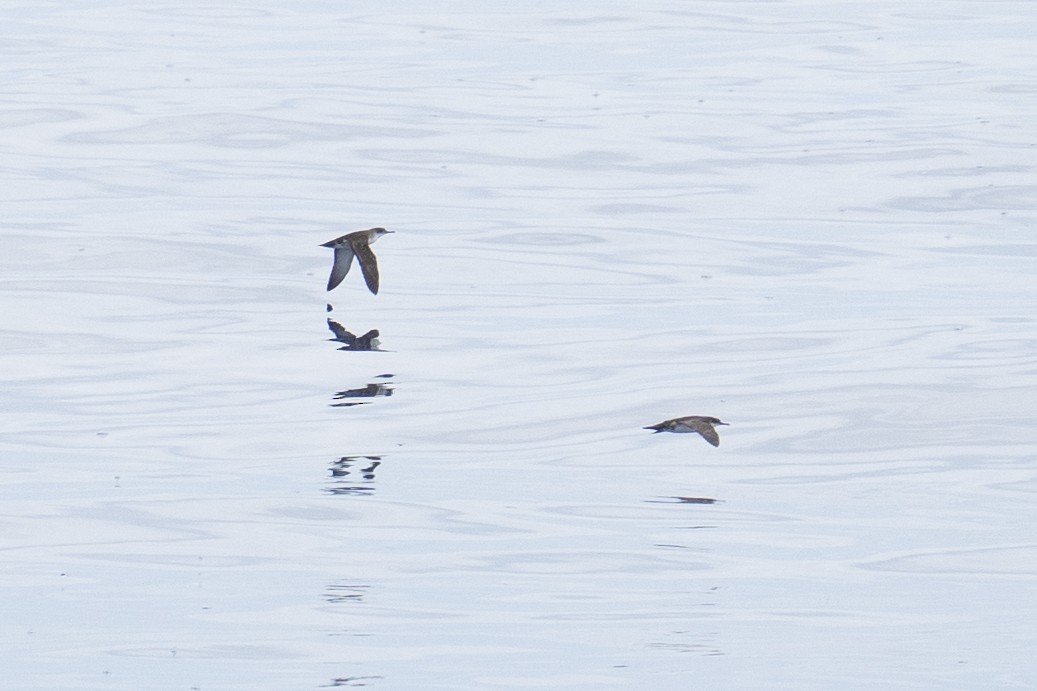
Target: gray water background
(813, 220)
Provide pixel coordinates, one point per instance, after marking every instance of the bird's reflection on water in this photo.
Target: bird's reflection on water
(353, 475)
(345, 592)
(683, 500)
(350, 682)
(368, 341)
(371, 390)
(695, 500)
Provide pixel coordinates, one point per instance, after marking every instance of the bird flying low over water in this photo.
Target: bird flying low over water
(356, 244)
(704, 426)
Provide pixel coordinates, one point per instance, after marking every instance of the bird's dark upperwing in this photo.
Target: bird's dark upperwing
(707, 432)
(340, 332)
(368, 264)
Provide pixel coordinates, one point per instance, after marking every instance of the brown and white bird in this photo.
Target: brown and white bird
(704, 426)
(356, 244)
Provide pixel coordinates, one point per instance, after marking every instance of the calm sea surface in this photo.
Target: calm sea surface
(813, 220)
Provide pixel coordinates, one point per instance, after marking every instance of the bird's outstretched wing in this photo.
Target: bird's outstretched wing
(707, 432)
(340, 332)
(343, 261)
(368, 264)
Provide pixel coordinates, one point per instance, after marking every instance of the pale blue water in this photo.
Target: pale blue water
(814, 221)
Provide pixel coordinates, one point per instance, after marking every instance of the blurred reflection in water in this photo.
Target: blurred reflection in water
(353, 475)
(369, 341)
(349, 682)
(371, 390)
(346, 592)
(692, 500)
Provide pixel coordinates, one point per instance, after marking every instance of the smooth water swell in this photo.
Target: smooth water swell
(813, 224)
